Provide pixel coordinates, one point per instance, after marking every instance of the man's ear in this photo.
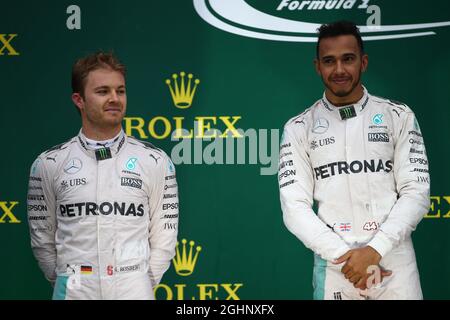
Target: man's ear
(364, 62)
(78, 100)
(317, 65)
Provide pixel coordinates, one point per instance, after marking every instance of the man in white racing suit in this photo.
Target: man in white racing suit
(102, 207)
(361, 159)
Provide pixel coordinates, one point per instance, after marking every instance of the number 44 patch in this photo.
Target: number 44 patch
(371, 225)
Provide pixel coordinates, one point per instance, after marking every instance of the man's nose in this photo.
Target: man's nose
(114, 96)
(339, 67)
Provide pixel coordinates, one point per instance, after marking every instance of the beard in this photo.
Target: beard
(98, 118)
(342, 93)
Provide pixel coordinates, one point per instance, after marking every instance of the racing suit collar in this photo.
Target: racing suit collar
(101, 144)
(115, 147)
(357, 107)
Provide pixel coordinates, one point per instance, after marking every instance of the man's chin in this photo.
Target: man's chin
(342, 93)
(113, 121)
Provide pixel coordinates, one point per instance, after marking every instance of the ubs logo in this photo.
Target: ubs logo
(322, 142)
(65, 184)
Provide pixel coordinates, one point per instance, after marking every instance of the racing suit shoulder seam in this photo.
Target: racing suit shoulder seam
(144, 144)
(298, 126)
(155, 157)
(52, 159)
(301, 116)
(58, 147)
(391, 103)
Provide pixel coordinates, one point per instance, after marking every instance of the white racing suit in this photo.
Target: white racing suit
(366, 169)
(103, 222)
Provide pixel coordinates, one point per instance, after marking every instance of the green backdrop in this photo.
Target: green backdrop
(230, 210)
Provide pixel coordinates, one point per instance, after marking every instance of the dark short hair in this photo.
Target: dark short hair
(98, 60)
(339, 28)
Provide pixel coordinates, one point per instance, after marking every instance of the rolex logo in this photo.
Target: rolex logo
(184, 262)
(6, 46)
(182, 94)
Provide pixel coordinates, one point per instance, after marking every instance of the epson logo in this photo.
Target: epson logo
(131, 182)
(418, 160)
(343, 167)
(105, 208)
(378, 137)
(39, 207)
(167, 206)
(286, 173)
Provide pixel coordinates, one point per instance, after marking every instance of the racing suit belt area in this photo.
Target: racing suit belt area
(365, 166)
(103, 222)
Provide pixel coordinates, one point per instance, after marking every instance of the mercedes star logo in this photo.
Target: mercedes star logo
(321, 125)
(73, 166)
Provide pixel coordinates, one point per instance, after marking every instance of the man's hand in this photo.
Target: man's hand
(357, 263)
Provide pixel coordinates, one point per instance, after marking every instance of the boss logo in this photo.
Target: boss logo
(131, 182)
(378, 137)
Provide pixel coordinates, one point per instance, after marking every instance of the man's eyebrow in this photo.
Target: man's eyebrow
(107, 87)
(347, 54)
(101, 87)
